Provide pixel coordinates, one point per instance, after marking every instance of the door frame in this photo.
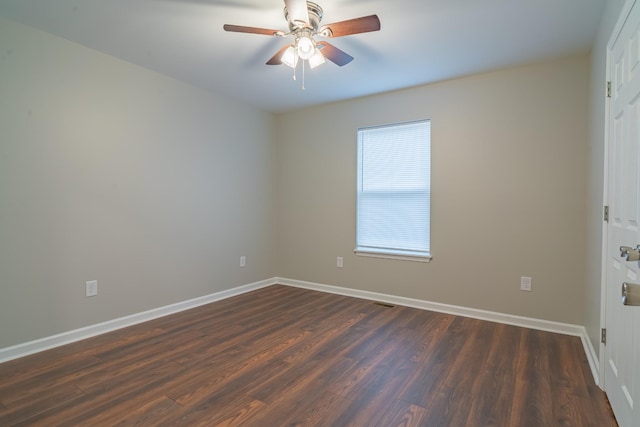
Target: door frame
(615, 33)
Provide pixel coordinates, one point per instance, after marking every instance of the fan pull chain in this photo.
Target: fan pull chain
(303, 88)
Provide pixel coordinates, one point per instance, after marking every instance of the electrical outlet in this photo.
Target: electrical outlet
(91, 288)
(243, 261)
(339, 262)
(525, 284)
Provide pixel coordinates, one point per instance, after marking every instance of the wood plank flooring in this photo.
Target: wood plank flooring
(283, 356)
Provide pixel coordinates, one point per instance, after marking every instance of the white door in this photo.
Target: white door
(622, 350)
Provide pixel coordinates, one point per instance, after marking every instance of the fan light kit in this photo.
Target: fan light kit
(304, 19)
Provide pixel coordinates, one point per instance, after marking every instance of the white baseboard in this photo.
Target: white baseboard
(31, 347)
(592, 357)
(509, 319)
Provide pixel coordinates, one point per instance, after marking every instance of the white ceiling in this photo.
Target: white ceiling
(421, 41)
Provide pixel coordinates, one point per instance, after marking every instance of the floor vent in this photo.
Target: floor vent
(384, 304)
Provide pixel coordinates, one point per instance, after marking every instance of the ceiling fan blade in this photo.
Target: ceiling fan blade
(334, 54)
(297, 12)
(352, 26)
(277, 58)
(251, 30)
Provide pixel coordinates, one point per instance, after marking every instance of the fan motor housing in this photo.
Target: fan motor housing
(315, 16)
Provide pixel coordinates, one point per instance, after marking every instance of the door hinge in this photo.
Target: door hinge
(603, 336)
(606, 213)
(608, 89)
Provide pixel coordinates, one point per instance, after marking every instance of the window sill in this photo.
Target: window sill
(398, 256)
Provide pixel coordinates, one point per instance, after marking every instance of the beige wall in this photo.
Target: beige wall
(112, 172)
(155, 188)
(595, 168)
(508, 191)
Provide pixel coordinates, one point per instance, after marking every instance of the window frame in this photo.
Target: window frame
(389, 253)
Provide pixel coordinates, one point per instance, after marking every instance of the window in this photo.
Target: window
(394, 191)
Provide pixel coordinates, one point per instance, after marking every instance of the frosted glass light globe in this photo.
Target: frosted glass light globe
(306, 48)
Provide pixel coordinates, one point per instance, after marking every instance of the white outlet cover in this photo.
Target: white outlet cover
(525, 283)
(339, 262)
(91, 288)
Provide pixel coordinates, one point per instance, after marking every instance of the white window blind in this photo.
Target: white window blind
(394, 189)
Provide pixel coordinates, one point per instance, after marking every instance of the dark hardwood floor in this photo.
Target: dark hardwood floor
(283, 356)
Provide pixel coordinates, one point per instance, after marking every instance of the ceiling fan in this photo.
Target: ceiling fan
(304, 19)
